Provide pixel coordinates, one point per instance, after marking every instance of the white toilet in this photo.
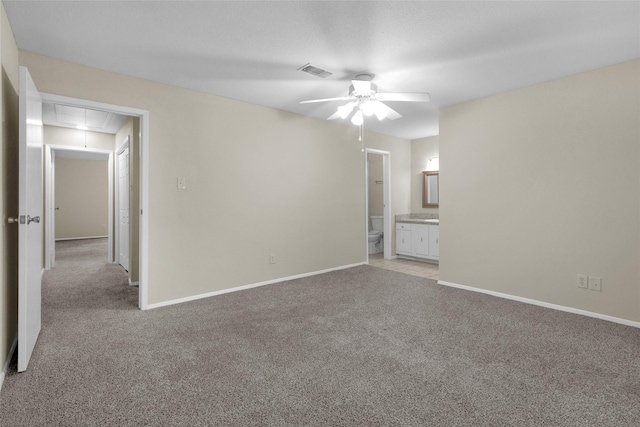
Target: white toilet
(376, 236)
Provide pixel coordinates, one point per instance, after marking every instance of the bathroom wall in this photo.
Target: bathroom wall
(422, 150)
(376, 201)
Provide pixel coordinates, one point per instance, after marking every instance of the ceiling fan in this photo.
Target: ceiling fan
(365, 100)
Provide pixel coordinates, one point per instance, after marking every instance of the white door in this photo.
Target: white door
(30, 239)
(123, 211)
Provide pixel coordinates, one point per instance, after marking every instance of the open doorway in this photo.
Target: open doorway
(378, 202)
(78, 194)
(133, 129)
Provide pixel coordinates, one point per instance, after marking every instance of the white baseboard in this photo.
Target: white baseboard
(133, 283)
(244, 287)
(543, 304)
(81, 238)
(8, 361)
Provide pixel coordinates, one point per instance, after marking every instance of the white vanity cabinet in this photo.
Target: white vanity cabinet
(434, 241)
(418, 241)
(403, 239)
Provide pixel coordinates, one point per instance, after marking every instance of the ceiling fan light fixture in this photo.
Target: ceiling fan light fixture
(345, 110)
(358, 118)
(368, 108)
(380, 110)
(365, 100)
(381, 115)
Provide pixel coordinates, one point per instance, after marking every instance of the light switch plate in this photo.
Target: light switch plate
(595, 284)
(182, 183)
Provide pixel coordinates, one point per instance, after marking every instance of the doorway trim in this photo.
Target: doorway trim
(117, 241)
(386, 200)
(50, 153)
(143, 115)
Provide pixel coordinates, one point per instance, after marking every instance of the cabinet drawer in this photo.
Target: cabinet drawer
(403, 226)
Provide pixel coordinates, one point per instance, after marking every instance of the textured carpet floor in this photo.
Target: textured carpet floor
(358, 347)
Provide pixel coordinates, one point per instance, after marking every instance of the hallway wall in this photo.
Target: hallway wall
(82, 198)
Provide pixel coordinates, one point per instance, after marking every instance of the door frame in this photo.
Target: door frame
(49, 207)
(125, 144)
(143, 115)
(386, 200)
(50, 153)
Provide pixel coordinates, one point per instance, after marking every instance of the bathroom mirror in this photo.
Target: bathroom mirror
(430, 189)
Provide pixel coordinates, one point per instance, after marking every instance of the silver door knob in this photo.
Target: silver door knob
(11, 220)
(35, 219)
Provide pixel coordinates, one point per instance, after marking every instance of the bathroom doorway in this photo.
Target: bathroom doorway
(378, 202)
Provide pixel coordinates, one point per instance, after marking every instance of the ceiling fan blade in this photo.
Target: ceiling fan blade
(383, 111)
(406, 97)
(334, 116)
(361, 86)
(340, 98)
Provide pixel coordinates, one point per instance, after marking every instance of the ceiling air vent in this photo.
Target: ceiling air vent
(315, 71)
(85, 118)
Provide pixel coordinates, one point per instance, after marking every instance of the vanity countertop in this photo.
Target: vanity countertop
(431, 219)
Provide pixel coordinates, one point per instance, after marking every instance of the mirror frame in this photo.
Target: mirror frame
(425, 189)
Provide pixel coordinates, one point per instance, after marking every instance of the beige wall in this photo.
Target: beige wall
(8, 188)
(376, 201)
(422, 150)
(259, 181)
(82, 198)
(54, 135)
(543, 183)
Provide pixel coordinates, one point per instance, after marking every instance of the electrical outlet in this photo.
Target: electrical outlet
(272, 258)
(595, 284)
(583, 281)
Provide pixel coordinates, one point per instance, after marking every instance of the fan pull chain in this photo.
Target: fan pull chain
(85, 128)
(360, 134)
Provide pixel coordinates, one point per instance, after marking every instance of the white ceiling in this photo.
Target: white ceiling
(250, 51)
(81, 118)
